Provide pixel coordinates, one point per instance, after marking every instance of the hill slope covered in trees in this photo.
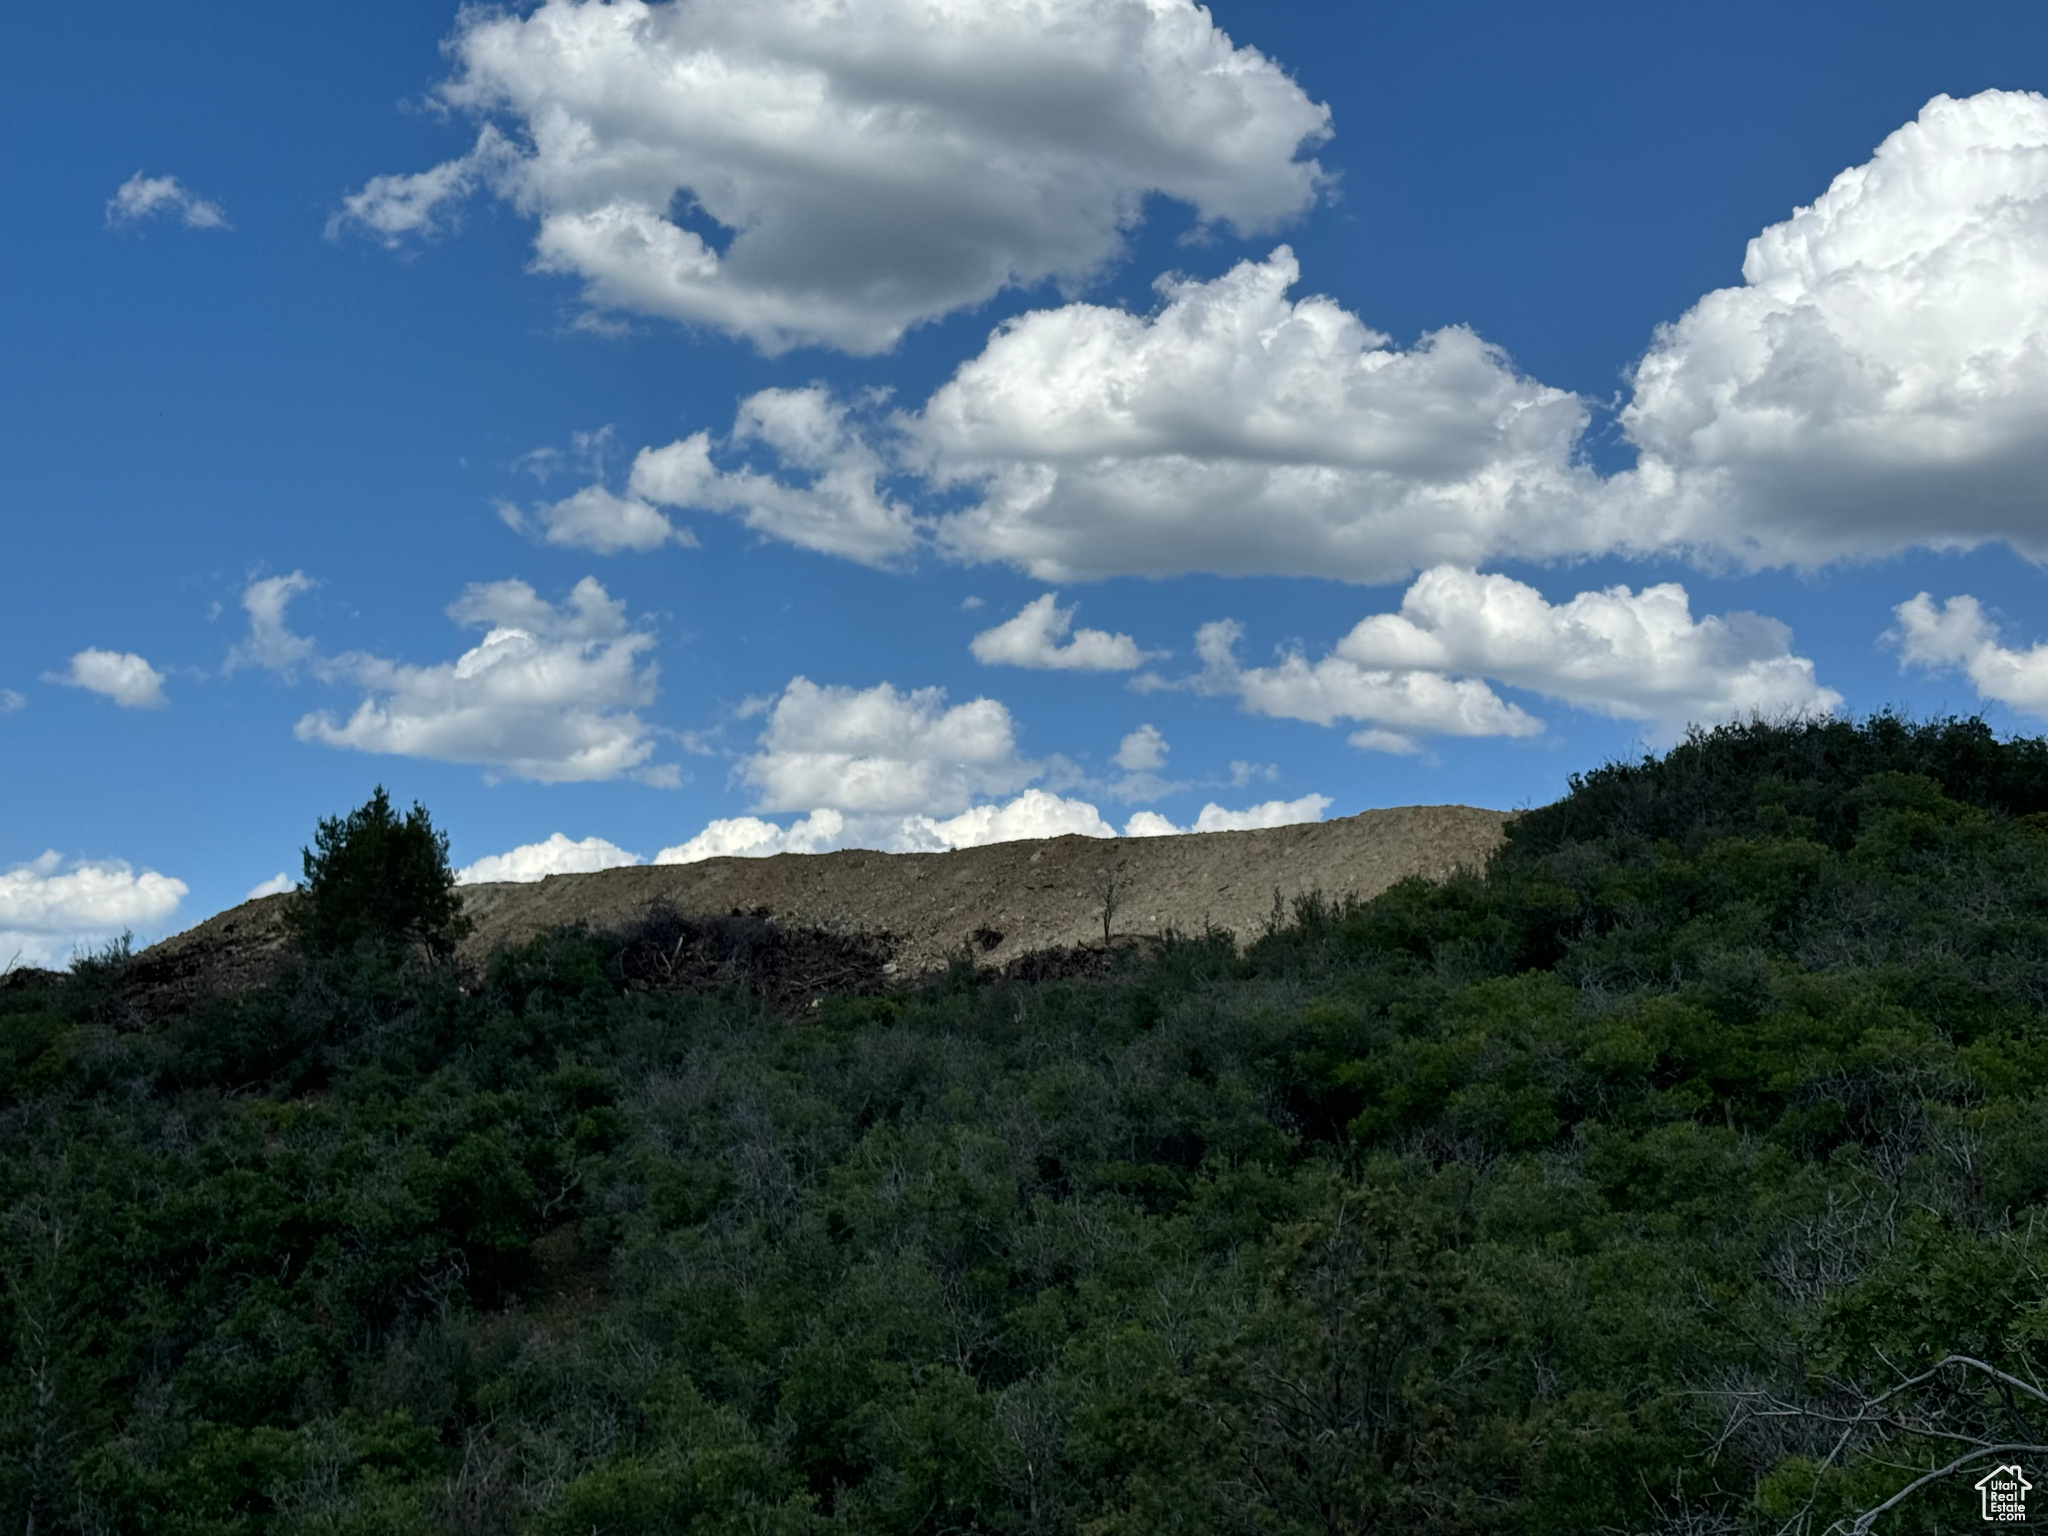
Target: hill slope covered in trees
(1604, 1191)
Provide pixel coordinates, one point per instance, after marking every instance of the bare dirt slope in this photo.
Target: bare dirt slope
(1000, 902)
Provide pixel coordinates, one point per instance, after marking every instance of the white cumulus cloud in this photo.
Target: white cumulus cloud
(1239, 432)
(1878, 382)
(1632, 655)
(549, 693)
(1215, 818)
(1042, 635)
(121, 676)
(887, 768)
(1426, 669)
(1396, 705)
(1880, 379)
(555, 855)
(597, 520)
(1143, 751)
(839, 509)
(878, 751)
(796, 173)
(276, 885)
(52, 907)
(749, 837)
(143, 197)
(1035, 813)
(1959, 635)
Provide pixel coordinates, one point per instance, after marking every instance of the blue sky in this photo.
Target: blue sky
(688, 428)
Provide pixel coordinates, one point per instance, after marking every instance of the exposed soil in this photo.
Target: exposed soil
(899, 915)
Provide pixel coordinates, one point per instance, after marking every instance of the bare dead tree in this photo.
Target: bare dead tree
(1862, 1419)
(1112, 898)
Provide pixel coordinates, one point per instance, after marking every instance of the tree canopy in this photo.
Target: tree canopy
(371, 876)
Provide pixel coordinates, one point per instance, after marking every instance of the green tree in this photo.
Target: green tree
(373, 876)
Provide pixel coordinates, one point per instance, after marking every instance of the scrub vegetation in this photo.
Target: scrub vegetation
(1608, 1190)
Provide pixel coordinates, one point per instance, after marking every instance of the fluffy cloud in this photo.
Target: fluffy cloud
(1038, 636)
(121, 676)
(548, 693)
(1398, 706)
(595, 519)
(1632, 655)
(902, 771)
(1238, 432)
(555, 856)
(1880, 379)
(1959, 635)
(1878, 382)
(1143, 751)
(276, 885)
(1425, 670)
(876, 751)
(143, 197)
(749, 837)
(839, 509)
(1035, 813)
(1214, 818)
(905, 772)
(802, 174)
(51, 907)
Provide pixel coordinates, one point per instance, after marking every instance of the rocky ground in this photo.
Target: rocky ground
(997, 903)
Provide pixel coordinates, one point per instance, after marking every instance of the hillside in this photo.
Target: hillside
(999, 902)
(1682, 1172)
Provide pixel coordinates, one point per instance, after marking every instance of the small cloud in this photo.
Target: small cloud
(10, 701)
(1242, 774)
(146, 197)
(1033, 636)
(596, 520)
(270, 643)
(122, 676)
(276, 885)
(969, 604)
(1142, 751)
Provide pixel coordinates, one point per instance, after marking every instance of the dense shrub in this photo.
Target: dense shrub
(1591, 1194)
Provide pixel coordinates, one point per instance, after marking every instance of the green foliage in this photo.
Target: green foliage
(1490, 1206)
(372, 877)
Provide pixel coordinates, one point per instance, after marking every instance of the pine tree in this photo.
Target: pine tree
(371, 875)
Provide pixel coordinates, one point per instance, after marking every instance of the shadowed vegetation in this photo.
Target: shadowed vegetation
(1602, 1191)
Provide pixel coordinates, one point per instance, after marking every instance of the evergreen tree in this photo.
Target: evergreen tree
(372, 876)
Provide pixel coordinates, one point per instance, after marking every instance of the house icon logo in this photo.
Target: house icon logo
(2004, 1491)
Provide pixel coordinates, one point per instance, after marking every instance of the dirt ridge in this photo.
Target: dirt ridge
(998, 902)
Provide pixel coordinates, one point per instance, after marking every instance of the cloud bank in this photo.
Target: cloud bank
(1878, 382)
